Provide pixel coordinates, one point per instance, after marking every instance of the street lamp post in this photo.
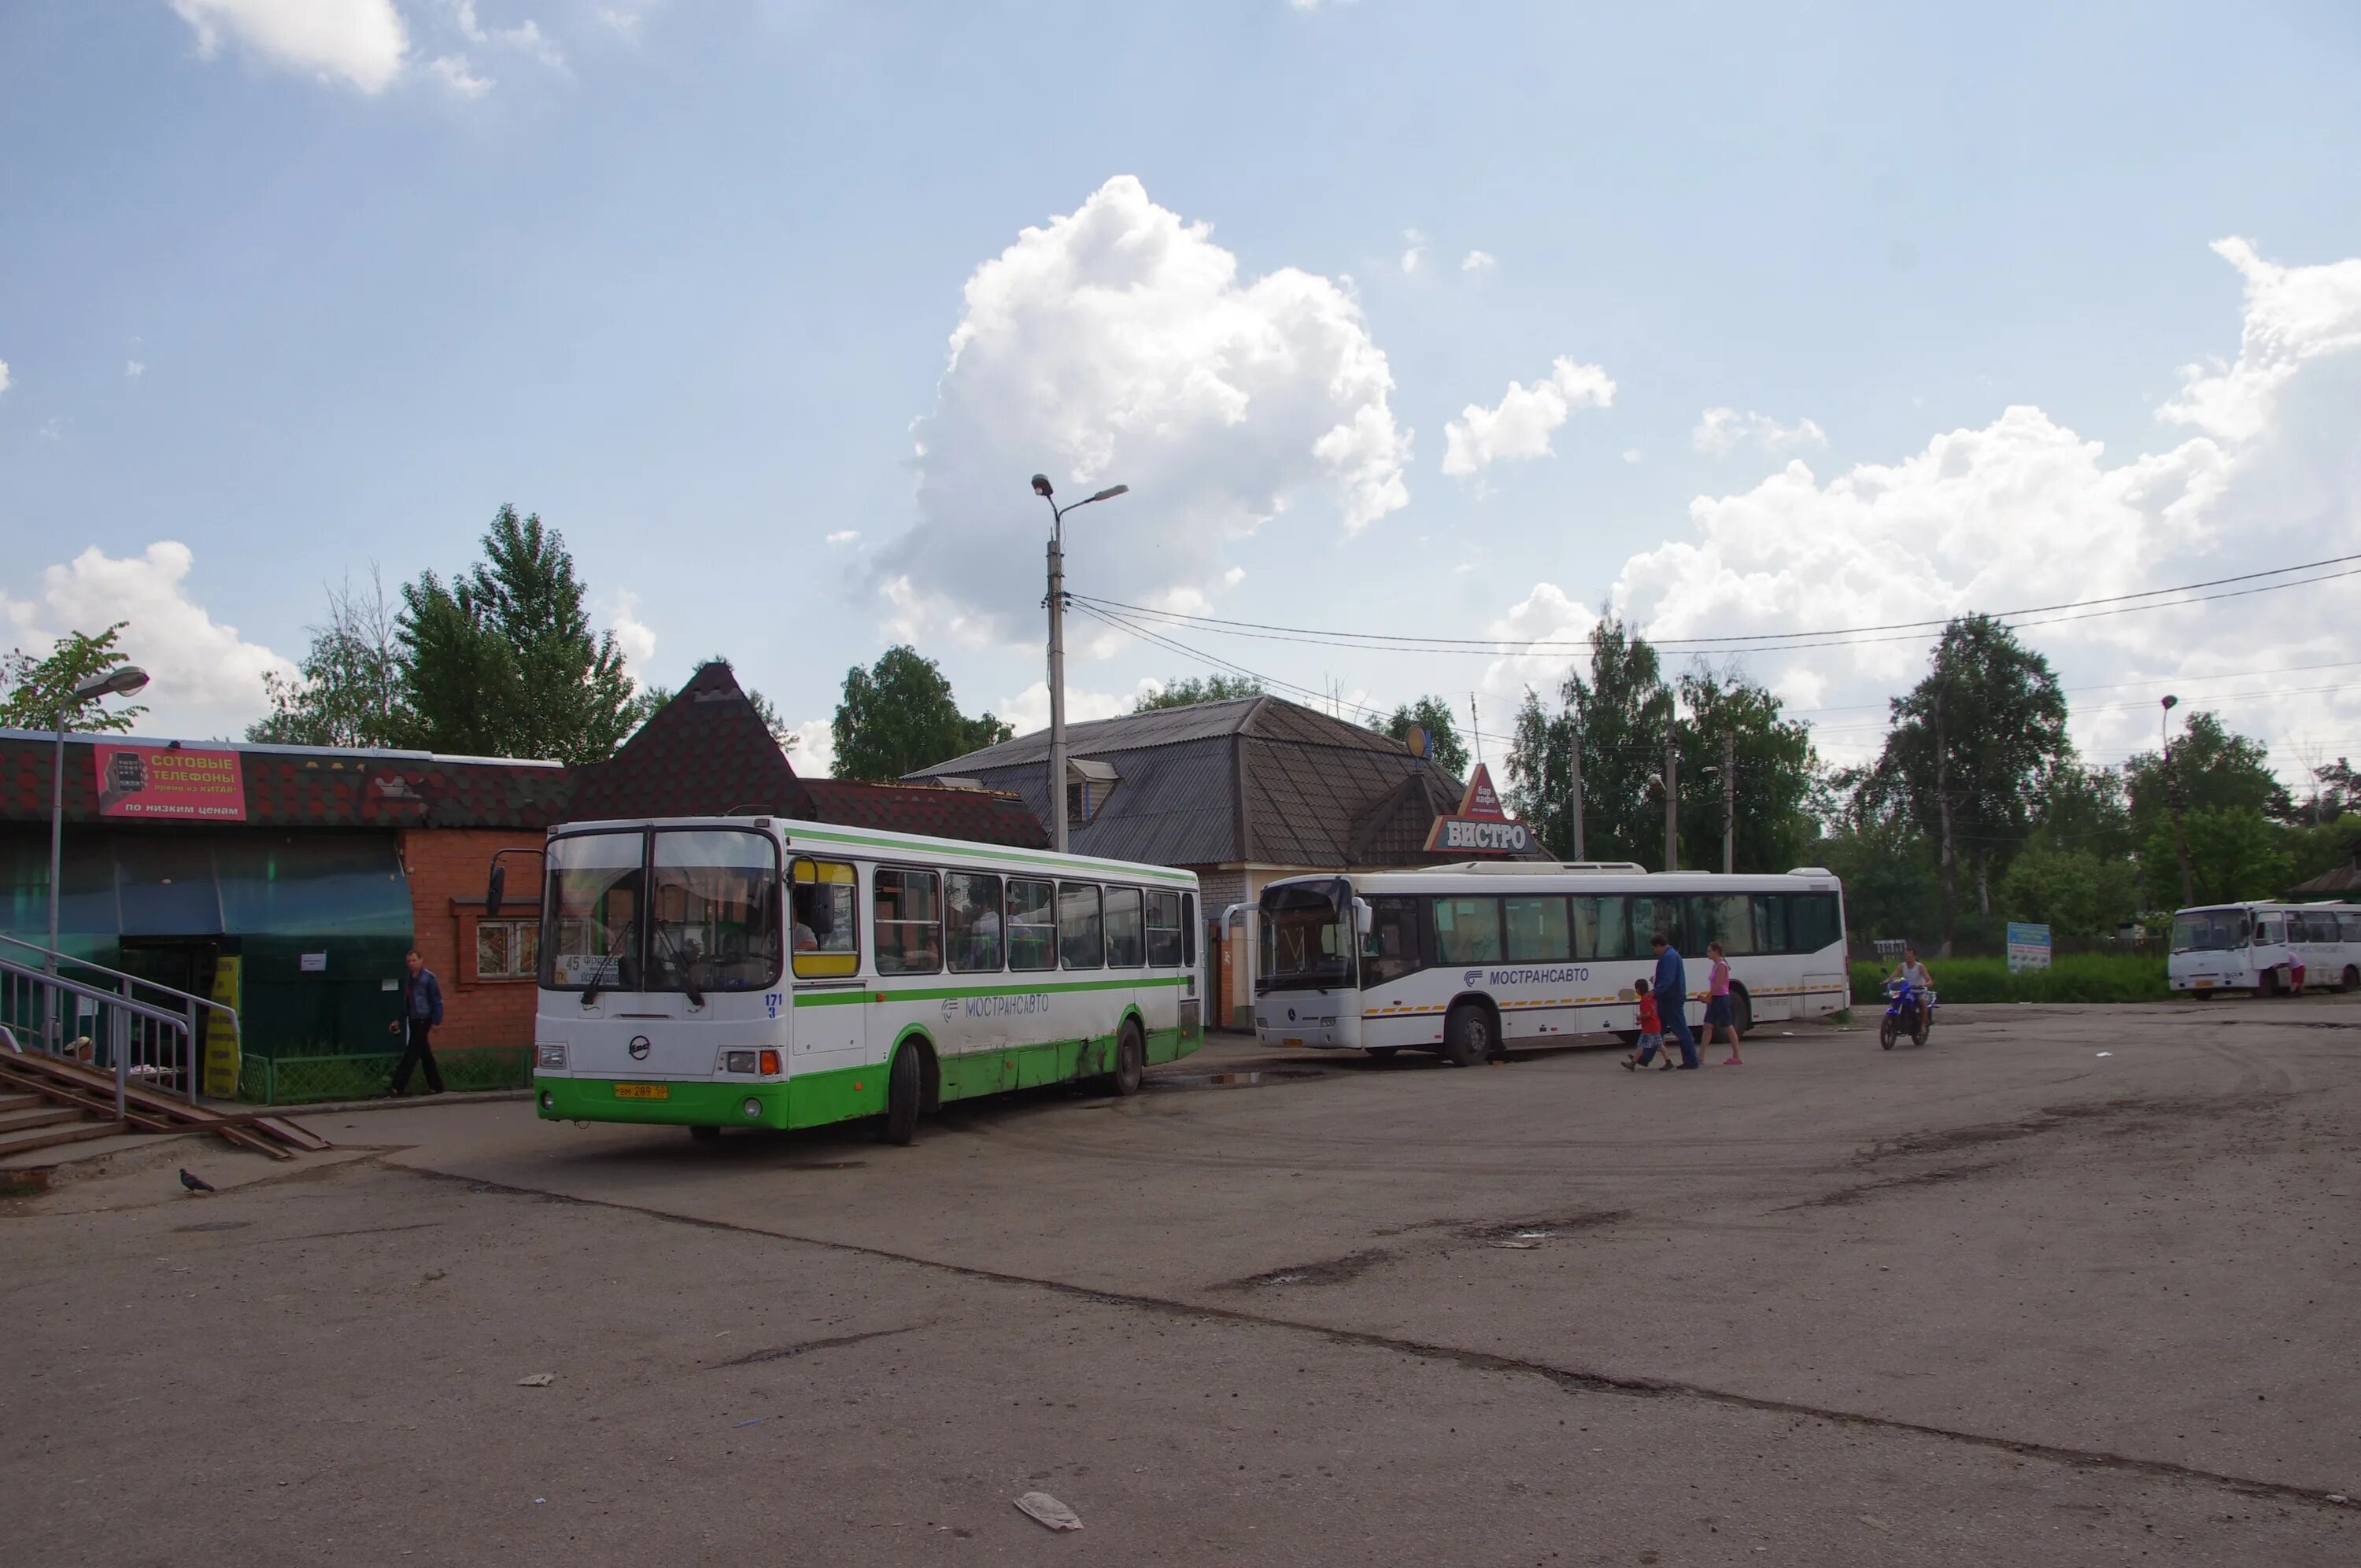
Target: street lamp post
(1058, 647)
(118, 682)
(2172, 799)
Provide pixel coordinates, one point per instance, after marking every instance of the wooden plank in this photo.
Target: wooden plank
(42, 1067)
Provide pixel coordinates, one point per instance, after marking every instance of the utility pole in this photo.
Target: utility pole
(1671, 806)
(1943, 807)
(1058, 647)
(1574, 759)
(2172, 795)
(1730, 804)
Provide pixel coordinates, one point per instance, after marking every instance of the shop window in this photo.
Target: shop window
(508, 950)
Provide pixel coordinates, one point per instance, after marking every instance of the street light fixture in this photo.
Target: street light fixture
(121, 681)
(1042, 488)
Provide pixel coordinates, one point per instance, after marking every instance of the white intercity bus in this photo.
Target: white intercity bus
(1462, 958)
(2260, 946)
(718, 972)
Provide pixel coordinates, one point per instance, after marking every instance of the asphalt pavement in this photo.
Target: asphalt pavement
(2070, 1285)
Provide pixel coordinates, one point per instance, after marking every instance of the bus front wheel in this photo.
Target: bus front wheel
(902, 1088)
(1468, 1037)
(1130, 1063)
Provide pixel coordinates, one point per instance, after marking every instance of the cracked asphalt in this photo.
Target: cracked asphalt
(2070, 1284)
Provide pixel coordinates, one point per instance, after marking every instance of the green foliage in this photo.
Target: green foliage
(1777, 773)
(2324, 848)
(1887, 868)
(2075, 893)
(898, 717)
(1432, 714)
(1969, 745)
(2070, 977)
(2215, 768)
(1187, 691)
(501, 661)
(350, 690)
(33, 692)
(2235, 853)
(1621, 714)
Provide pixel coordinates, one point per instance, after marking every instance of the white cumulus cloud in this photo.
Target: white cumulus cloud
(459, 77)
(634, 638)
(812, 750)
(1722, 431)
(205, 679)
(2024, 511)
(1478, 261)
(526, 36)
(4, 375)
(844, 536)
(1414, 256)
(1119, 345)
(359, 42)
(134, 369)
(1518, 428)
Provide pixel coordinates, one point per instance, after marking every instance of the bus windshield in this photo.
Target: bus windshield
(2209, 930)
(710, 920)
(1306, 941)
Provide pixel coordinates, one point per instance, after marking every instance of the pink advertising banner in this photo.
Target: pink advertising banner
(170, 781)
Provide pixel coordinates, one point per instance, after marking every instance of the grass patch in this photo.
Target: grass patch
(2070, 977)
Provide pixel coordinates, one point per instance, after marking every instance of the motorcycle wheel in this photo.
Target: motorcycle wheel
(1918, 1036)
(1886, 1034)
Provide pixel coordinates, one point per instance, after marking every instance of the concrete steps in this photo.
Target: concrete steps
(72, 1129)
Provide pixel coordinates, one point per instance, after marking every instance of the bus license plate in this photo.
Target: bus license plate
(2204, 984)
(643, 1092)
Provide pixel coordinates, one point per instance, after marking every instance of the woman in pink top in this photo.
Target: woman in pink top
(1717, 1015)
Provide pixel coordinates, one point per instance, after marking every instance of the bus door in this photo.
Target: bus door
(831, 1019)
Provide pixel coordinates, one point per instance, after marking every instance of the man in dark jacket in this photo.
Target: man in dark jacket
(1671, 989)
(422, 1010)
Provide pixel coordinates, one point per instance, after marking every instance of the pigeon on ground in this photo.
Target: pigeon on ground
(194, 1183)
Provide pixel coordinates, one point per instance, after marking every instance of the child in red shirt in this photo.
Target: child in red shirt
(1651, 1032)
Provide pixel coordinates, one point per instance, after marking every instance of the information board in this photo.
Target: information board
(2029, 946)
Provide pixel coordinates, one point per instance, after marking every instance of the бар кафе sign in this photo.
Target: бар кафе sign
(169, 781)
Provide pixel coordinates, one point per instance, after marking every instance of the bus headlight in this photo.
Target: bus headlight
(549, 1054)
(737, 1061)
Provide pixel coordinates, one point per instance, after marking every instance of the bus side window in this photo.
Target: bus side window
(1812, 922)
(1164, 929)
(1189, 930)
(1467, 930)
(826, 897)
(1081, 936)
(1124, 949)
(1536, 930)
(1771, 923)
(1602, 927)
(1032, 923)
(1397, 941)
(974, 911)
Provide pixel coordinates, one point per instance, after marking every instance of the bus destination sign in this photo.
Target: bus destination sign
(1480, 826)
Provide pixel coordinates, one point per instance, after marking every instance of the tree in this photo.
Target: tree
(33, 692)
(899, 716)
(1970, 743)
(2085, 809)
(503, 662)
(1432, 714)
(1621, 716)
(1887, 868)
(645, 702)
(1778, 772)
(2075, 893)
(1187, 691)
(2226, 779)
(349, 692)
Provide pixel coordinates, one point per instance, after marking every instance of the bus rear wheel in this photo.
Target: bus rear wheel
(1468, 1037)
(2352, 980)
(902, 1088)
(1741, 1010)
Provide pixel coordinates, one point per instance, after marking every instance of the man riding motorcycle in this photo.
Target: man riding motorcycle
(1921, 983)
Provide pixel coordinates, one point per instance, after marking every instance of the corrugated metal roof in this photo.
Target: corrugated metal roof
(1270, 718)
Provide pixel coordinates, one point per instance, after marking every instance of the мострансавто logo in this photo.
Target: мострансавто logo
(1568, 974)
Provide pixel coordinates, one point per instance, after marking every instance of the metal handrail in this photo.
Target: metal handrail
(117, 974)
(112, 998)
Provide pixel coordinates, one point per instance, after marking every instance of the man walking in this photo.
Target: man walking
(422, 1010)
(1671, 988)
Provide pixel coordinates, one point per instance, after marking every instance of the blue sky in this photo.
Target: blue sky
(683, 277)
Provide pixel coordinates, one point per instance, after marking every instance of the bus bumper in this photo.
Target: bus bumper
(742, 1104)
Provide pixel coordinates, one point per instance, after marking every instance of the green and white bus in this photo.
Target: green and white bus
(714, 972)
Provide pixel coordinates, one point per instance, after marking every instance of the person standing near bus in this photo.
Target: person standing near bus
(421, 1011)
(1718, 1018)
(1651, 1032)
(1671, 988)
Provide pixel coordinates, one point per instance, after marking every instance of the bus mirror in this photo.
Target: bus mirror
(497, 885)
(1361, 924)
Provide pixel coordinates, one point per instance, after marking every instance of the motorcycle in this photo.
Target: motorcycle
(1904, 1001)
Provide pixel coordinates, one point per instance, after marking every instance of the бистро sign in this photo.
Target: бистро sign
(1480, 826)
(168, 781)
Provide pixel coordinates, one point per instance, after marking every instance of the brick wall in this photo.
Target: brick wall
(447, 867)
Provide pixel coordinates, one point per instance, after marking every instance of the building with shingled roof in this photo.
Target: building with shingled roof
(1241, 791)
